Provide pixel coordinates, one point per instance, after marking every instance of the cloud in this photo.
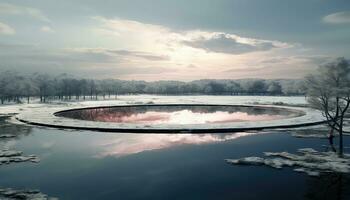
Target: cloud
(89, 62)
(191, 66)
(36, 58)
(219, 42)
(119, 27)
(146, 70)
(6, 29)
(123, 53)
(131, 34)
(139, 54)
(47, 29)
(10, 9)
(287, 66)
(156, 36)
(338, 18)
(135, 50)
(314, 60)
(274, 60)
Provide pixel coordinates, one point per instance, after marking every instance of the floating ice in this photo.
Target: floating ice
(309, 161)
(11, 156)
(12, 194)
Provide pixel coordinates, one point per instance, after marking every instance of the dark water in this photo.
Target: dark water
(88, 165)
(180, 114)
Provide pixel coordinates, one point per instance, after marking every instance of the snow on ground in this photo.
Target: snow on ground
(43, 113)
(145, 99)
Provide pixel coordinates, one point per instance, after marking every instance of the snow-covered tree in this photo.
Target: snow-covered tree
(329, 91)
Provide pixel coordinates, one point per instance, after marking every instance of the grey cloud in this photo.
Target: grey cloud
(96, 70)
(275, 60)
(89, 63)
(144, 70)
(10, 9)
(116, 71)
(338, 18)
(139, 54)
(221, 43)
(316, 59)
(34, 54)
(6, 29)
(110, 53)
(246, 69)
(282, 71)
(31, 58)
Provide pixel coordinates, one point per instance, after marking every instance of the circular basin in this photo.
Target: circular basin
(173, 118)
(179, 114)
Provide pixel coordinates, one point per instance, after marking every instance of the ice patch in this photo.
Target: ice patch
(12, 194)
(11, 156)
(309, 161)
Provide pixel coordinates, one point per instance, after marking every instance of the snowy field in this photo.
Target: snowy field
(43, 114)
(144, 99)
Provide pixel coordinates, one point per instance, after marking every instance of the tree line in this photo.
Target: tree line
(15, 87)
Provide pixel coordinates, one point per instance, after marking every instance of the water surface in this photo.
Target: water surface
(94, 165)
(180, 114)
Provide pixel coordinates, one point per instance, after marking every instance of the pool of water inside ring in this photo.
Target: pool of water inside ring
(180, 114)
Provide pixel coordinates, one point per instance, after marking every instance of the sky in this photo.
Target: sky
(173, 40)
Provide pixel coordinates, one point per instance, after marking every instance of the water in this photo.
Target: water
(91, 165)
(183, 114)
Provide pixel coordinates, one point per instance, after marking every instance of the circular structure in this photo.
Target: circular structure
(179, 114)
(175, 118)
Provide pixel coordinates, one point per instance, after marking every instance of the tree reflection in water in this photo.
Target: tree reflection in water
(329, 186)
(18, 130)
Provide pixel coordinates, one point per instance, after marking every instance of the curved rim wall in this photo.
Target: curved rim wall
(50, 118)
(294, 111)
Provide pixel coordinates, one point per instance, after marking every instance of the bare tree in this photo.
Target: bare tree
(43, 84)
(27, 88)
(329, 91)
(274, 88)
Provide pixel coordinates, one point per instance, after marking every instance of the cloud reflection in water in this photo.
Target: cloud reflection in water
(136, 143)
(186, 117)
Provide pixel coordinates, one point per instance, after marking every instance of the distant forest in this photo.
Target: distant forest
(15, 87)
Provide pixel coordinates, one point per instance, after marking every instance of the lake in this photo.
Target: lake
(95, 165)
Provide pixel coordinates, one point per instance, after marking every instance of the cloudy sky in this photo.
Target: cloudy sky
(168, 39)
